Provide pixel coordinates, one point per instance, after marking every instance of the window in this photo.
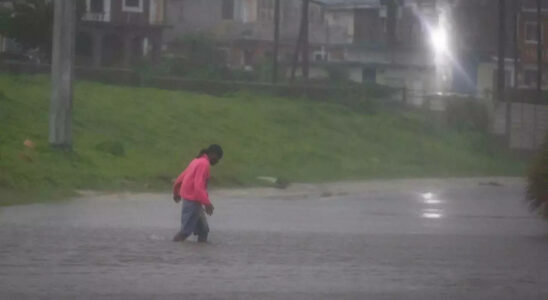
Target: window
(531, 5)
(369, 75)
(530, 78)
(320, 55)
(316, 14)
(508, 78)
(228, 9)
(133, 5)
(531, 33)
(266, 11)
(248, 57)
(97, 6)
(248, 11)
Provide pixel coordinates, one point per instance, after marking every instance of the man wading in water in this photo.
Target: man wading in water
(191, 187)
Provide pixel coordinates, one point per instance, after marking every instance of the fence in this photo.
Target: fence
(529, 124)
(528, 119)
(350, 95)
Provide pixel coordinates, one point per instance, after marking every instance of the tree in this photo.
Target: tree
(276, 41)
(29, 23)
(537, 188)
(539, 45)
(302, 47)
(392, 7)
(197, 56)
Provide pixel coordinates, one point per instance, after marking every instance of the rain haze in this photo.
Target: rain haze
(273, 149)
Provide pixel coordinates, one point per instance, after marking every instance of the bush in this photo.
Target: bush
(111, 147)
(337, 74)
(537, 189)
(467, 114)
(197, 57)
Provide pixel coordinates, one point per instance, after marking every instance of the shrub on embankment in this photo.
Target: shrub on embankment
(537, 189)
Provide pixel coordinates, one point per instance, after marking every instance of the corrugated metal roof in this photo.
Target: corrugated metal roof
(353, 3)
(349, 3)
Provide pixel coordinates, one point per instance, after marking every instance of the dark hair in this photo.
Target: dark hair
(212, 149)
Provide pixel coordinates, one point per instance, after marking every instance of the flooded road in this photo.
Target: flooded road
(460, 241)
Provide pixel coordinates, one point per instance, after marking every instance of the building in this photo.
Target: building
(475, 31)
(245, 28)
(349, 34)
(528, 42)
(120, 32)
(521, 57)
(385, 42)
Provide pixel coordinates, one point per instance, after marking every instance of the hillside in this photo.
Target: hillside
(140, 138)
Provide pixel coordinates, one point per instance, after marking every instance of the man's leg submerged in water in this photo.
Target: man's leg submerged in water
(202, 231)
(180, 237)
(190, 215)
(202, 227)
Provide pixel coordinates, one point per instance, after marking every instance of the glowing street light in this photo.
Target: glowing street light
(439, 40)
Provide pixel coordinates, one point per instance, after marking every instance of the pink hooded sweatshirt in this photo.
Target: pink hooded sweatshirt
(192, 183)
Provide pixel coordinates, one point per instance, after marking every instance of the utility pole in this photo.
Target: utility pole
(501, 71)
(305, 48)
(391, 17)
(516, 41)
(62, 74)
(539, 45)
(276, 41)
(501, 75)
(517, 9)
(302, 42)
(540, 42)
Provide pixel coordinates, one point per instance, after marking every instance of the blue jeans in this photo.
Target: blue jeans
(194, 221)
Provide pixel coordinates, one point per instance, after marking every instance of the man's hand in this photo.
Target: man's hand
(176, 198)
(209, 209)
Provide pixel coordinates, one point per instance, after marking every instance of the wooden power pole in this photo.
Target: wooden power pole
(501, 69)
(62, 74)
(539, 45)
(305, 48)
(302, 46)
(517, 9)
(276, 41)
(501, 74)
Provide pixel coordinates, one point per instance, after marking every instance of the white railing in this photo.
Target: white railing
(96, 17)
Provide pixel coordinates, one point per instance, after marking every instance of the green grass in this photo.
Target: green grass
(160, 131)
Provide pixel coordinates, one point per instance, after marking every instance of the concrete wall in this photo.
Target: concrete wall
(355, 74)
(2, 44)
(192, 17)
(340, 26)
(317, 73)
(485, 78)
(417, 82)
(529, 124)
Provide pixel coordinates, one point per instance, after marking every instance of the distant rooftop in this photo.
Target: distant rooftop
(353, 3)
(349, 3)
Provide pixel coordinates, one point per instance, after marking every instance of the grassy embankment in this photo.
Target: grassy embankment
(140, 138)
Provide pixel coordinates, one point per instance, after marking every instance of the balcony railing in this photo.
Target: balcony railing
(96, 16)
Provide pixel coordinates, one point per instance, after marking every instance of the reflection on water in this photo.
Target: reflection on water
(432, 213)
(427, 196)
(431, 199)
